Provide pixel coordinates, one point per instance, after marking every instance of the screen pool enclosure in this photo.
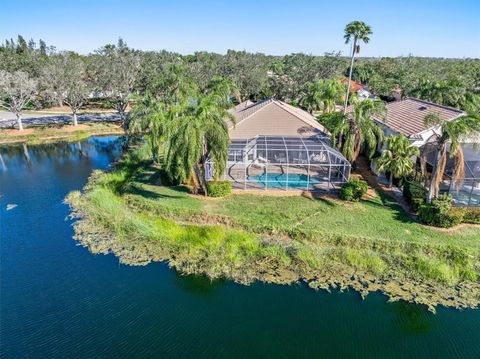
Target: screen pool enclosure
(465, 192)
(284, 163)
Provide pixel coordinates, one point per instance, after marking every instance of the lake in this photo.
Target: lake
(60, 301)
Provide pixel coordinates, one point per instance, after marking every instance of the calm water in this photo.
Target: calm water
(59, 301)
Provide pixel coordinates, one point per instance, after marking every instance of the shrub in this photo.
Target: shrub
(439, 213)
(415, 194)
(353, 190)
(472, 215)
(219, 188)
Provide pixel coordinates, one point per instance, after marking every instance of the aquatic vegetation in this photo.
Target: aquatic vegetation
(368, 246)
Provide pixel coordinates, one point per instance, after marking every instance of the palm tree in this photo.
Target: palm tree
(311, 98)
(148, 118)
(198, 133)
(397, 158)
(356, 129)
(224, 88)
(451, 132)
(332, 94)
(358, 31)
(322, 95)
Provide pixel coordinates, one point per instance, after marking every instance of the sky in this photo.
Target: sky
(432, 28)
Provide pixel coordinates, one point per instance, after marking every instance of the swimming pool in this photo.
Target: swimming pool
(294, 180)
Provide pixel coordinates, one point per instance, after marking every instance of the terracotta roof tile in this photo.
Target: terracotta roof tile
(407, 116)
(272, 117)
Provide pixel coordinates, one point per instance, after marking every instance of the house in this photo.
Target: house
(362, 91)
(273, 118)
(274, 145)
(407, 117)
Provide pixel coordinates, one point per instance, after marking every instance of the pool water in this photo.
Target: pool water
(293, 180)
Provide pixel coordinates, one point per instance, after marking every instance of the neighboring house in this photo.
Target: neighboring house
(362, 91)
(278, 146)
(407, 117)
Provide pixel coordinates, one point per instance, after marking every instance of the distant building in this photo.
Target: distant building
(362, 91)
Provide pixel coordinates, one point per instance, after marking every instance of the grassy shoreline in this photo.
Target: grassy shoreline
(368, 246)
(57, 132)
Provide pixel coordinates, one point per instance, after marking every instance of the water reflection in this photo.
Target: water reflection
(198, 285)
(59, 152)
(413, 318)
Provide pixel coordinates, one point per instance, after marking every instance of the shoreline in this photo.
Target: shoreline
(137, 233)
(59, 132)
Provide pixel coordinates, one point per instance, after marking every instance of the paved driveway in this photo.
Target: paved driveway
(8, 120)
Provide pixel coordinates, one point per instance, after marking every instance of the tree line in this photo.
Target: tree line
(181, 100)
(116, 73)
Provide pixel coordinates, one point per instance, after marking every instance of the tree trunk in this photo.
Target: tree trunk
(19, 121)
(431, 189)
(348, 89)
(390, 182)
(75, 121)
(199, 176)
(350, 76)
(121, 107)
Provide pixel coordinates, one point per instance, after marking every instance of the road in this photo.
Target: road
(8, 120)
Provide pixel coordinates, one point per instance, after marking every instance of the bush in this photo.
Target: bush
(219, 188)
(470, 215)
(439, 213)
(353, 190)
(415, 194)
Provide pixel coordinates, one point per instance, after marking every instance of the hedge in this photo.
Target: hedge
(415, 194)
(439, 213)
(219, 188)
(469, 215)
(353, 190)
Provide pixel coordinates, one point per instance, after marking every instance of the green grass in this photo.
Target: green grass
(281, 239)
(380, 218)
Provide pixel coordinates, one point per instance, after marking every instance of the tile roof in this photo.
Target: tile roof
(407, 116)
(272, 117)
(354, 85)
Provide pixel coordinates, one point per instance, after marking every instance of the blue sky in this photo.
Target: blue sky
(438, 28)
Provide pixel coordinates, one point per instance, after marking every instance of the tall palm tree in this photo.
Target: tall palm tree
(397, 158)
(355, 31)
(224, 88)
(451, 132)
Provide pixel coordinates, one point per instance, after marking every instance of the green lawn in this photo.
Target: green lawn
(380, 218)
